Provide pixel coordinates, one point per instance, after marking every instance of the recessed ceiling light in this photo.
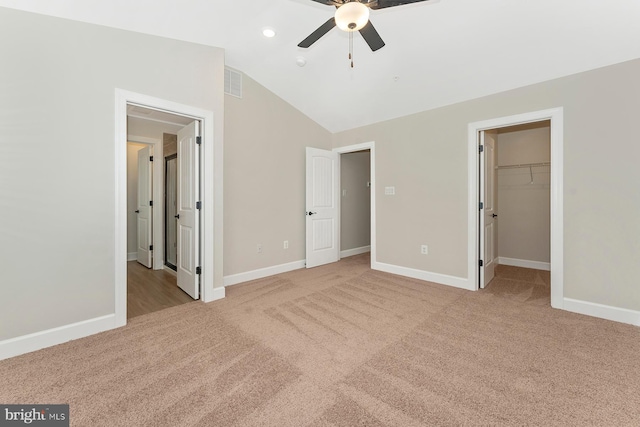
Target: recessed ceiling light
(268, 32)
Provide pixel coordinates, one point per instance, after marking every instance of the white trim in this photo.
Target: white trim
(355, 251)
(234, 279)
(122, 99)
(537, 265)
(158, 195)
(441, 279)
(132, 256)
(555, 115)
(38, 340)
(371, 146)
(142, 139)
(617, 314)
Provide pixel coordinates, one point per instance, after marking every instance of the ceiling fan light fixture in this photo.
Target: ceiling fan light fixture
(352, 16)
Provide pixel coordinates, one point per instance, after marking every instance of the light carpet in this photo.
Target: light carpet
(342, 345)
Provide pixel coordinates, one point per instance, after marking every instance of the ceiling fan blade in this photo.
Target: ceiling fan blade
(371, 36)
(327, 2)
(381, 4)
(321, 31)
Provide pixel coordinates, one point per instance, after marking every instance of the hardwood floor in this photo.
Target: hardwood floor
(151, 290)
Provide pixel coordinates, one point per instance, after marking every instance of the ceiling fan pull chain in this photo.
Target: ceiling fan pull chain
(351, 47)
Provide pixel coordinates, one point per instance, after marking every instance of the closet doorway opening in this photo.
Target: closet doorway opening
(515, 204)
(514, 221)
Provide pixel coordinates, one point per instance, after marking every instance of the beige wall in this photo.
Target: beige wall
(58, 80)
(265, 140)
(355, 205)
(425, 157)
(132, 196)
(524, 207)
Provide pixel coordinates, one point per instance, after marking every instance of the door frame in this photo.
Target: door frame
(371, 146)
(158, 194)
(122, 99)
(556, 117)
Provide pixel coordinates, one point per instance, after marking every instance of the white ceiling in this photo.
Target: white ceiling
(441, 51)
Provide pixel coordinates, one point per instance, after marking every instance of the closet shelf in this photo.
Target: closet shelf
(524, 165)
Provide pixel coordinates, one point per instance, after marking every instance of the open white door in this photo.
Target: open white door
(145, 210)
(488, 229)
(322, 215)
(188, 224)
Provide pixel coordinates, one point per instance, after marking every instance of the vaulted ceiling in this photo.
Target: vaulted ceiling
(437, 52)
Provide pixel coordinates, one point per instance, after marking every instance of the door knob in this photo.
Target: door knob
(137, 210)
(177, 216)
(494, 215)
(311, 213)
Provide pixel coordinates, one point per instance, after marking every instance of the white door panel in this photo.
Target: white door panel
(488, 214)
(144, 210)
(322, 220)
(188, 223)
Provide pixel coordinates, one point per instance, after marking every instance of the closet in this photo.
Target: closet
(523, 195)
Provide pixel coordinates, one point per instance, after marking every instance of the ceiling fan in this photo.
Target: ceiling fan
(353, 15)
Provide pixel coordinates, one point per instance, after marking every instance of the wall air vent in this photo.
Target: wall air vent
(232, 82)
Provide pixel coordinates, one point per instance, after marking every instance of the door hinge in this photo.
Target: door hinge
(198, 140)
(150, 202)
(481, 148)
(151, 158)
(481, 263)
(198, 270)
(481, 205)
(150, 247)
(198, 205)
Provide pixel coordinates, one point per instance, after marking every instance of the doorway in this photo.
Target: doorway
(147, 290)
(355, 203)
(323, 205)
(481, 245)
(170, 208)
(514, 219)
(199, 215)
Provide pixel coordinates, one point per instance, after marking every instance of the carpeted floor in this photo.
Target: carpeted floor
(347, 346)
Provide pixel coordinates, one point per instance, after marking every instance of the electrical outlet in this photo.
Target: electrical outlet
(259, 248)
(389, 191)
(286, 244)
(424, 250)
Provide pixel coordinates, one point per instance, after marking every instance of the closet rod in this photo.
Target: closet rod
(524, 165)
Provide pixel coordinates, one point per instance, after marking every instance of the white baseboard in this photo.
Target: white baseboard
(38, 340)
(355, 251)
(442, 279)
(537, 265)
(170, 270)
(132, 256)
(234, 279)
(617, 314)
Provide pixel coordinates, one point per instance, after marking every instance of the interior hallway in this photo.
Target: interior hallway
(151, 290)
